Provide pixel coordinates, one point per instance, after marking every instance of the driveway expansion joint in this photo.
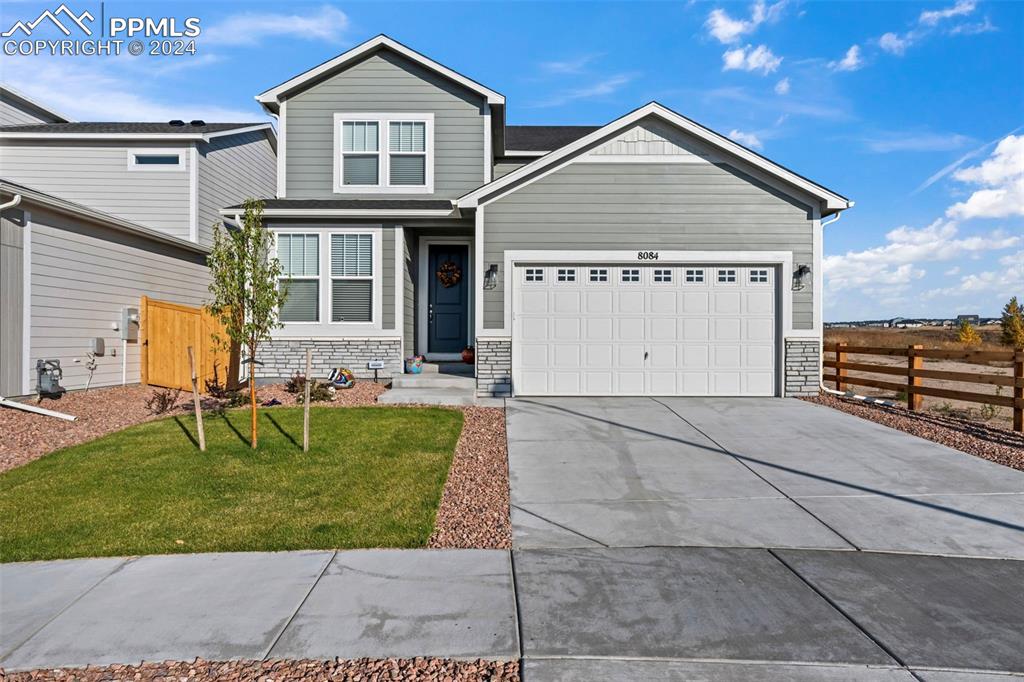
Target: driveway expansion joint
(270, 648)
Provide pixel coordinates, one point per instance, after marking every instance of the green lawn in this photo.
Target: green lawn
(372, 478)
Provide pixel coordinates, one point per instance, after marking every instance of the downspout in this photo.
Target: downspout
(12, 203)
(821, 352)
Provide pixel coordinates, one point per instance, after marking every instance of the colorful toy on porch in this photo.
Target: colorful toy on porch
(414, 365)
(342, 377)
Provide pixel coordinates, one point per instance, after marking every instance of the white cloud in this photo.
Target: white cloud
(782, 87)
(1001, 177)
(727, 30)
(984, 26)
(955, 270)
(893, 44)
(933, 17)
(919, 142)
(601, 88)
(327, 24)
(748, 139)
(568, 66)
(746, 58)
(851, 61)
(71, 86)
(1007, 281)
(899, 261)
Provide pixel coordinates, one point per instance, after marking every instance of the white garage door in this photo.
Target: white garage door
(644, 330)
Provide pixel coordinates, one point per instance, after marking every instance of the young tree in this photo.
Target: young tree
(968, 335)
(246, 297)
(1013, 324)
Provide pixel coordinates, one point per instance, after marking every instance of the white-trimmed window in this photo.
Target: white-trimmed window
(156, 159)
(299, 255)
(534, 275)
(598, 274)
(566, 274)
(694, 276)
(351, 277)
(630, 275)
(758, 276)
(384, 153)
(727, 276)
(662, 276)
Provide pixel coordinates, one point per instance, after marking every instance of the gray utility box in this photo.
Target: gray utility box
(130, 324)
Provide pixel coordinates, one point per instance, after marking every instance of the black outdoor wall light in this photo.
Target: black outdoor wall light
(800, 275)
(491, 276)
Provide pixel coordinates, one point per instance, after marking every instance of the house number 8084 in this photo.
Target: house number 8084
(647, 255)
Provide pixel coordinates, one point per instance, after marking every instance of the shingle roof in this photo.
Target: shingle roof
(118, 128)
(543, 138)
(356, 204)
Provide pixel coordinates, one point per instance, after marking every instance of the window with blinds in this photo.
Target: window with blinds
(351, 277)
(299, 255)
(360, 152)
(407, 159)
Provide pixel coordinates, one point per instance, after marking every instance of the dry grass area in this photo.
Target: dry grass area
(338, 670)
(930, 337)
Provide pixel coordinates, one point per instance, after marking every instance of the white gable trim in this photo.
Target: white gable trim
(273, 95)
(830, 200)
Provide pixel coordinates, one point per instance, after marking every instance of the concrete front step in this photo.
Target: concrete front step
(428, 396)
(433, 380)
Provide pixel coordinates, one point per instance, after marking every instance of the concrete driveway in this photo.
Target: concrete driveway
(769, 473)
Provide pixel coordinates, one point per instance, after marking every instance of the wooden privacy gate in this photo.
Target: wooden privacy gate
(166, 330)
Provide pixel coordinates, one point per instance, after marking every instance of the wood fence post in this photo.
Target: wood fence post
(305, 411)
(913, 362)
(840, 372)
(195, 401)
(1018, 390)
(143, 341)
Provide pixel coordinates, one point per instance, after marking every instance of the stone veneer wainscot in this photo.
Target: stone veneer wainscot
(493, 367)
(283, 357)
(802, 367)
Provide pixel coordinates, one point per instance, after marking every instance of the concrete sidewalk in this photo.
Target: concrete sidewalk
(677, 613)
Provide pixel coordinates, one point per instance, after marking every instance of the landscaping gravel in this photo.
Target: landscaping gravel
(28, 436)
(975, 438)
(360, 670)
(474, 511)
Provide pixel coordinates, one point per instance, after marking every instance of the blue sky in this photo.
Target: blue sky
(914, 110)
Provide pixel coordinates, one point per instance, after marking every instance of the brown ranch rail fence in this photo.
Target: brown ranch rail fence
(914, 372)
(166, 330)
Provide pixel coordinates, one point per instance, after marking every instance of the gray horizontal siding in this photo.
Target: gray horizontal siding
(12, 269)
(642, 206)
(231, 169)
(384, 82)
(503, 167)
(388, 273)
(16, 114)
(409, 274)
(96, 174)
(82, 275)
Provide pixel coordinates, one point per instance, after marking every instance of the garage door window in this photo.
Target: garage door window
(694, 276)
(598, 274)
(758, 276)
(663, 276)
(534, 275)
(630, 275)
(566, 274)
(726, 276)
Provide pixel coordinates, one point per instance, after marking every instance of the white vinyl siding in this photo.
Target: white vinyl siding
(299, 255)
(351, 278)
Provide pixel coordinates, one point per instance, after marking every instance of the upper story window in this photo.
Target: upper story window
(384, 153)
(156, 159)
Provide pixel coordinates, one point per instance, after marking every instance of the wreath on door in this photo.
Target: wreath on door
(449, 274)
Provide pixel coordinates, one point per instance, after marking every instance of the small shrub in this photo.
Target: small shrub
(226, 397)
(163, 400)
(968, 335)
(319, 391)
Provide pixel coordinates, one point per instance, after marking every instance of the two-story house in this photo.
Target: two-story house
(97, 215)
(647, 256)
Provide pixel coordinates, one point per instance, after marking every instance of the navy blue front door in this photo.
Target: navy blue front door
(447, 298)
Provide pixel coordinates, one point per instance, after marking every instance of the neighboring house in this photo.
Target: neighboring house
(99, 214)
(17, 108)
(648, 256)
(970, 319)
